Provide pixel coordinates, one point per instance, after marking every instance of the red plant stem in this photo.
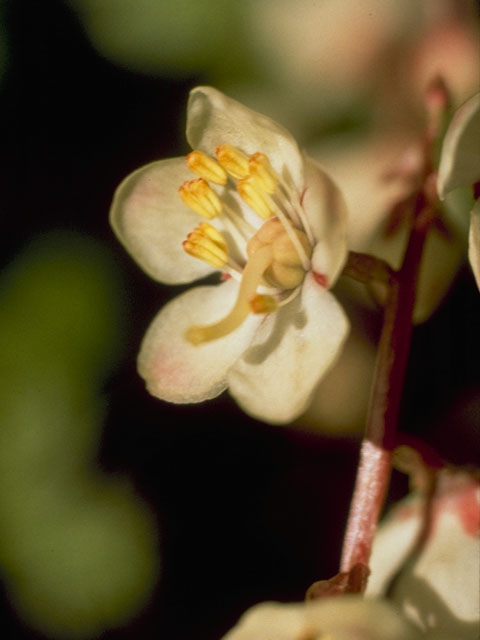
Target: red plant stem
(373, 472)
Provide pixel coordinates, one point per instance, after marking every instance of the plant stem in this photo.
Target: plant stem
(379, 440)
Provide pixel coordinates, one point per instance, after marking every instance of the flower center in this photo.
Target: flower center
(278, 253)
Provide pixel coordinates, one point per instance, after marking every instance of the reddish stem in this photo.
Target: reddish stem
(376, 451)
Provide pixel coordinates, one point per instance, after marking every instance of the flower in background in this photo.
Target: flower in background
(273, 226)
(339, 618)
(346, 61)
(429, 567)
(460, 167)
(376, 175)
(427, 556)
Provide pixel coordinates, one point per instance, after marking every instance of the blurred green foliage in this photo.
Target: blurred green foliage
(177, 37)
(77, 548)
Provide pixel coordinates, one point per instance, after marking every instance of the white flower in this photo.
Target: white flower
(460, 167)
(432, 587)
(434, 579)
(276, 231)
(339, 618)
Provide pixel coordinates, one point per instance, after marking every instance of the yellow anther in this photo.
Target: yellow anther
(234, 161)
(261, 303)
(206, 167)
(262, 171)
(213, 234)
(207, 243)
(256, 198)
(199, 196)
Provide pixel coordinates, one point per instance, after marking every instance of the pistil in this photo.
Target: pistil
(278, 252)
(251, 279)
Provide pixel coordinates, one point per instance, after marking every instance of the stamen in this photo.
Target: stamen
(239, 226)
(251, 192)
(291, 296)
(199, 196)
(295, 203)
(269, 180)
(234, 161)
(206, 167)
(251, 278)
(263, 172)
(207, 243)
(261, 303)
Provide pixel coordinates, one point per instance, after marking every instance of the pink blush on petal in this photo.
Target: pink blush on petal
(466, 505)
(167, 375)
(321, 279)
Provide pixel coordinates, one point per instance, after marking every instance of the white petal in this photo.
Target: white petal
(442, 590)
(213, 119)
(439, 591)
(437, 588)
(394, 541)
(345, 618)
(460, 156)
(270, 621)
(356, 618)
(177, 371)
(326, 211)
(292, 349)
(151, 221)
(474, 241)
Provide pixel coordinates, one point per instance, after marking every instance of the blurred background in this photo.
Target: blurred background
(122, 516)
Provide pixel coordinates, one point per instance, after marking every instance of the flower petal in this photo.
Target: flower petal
(353, 617)
(213, 119)
(151, 221)
(270, 621)
(347, 618)
(474, 241)
(439, 589)
(436, 585)
(177, 371)
(460, 156)
(394, 541)
(292, 349)
(327, 214)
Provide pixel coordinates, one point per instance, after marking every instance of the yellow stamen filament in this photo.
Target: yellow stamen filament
(261, 169)
(255, 191)
(251, 278)
(234, 161)
(259, 200)
(278, 251)
(238, 225)
(199, 196)
(207, 243)
(292, 198)
(206, 167)
(291, 296)
(261, 303)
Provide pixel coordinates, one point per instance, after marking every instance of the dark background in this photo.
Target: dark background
(248, 512)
